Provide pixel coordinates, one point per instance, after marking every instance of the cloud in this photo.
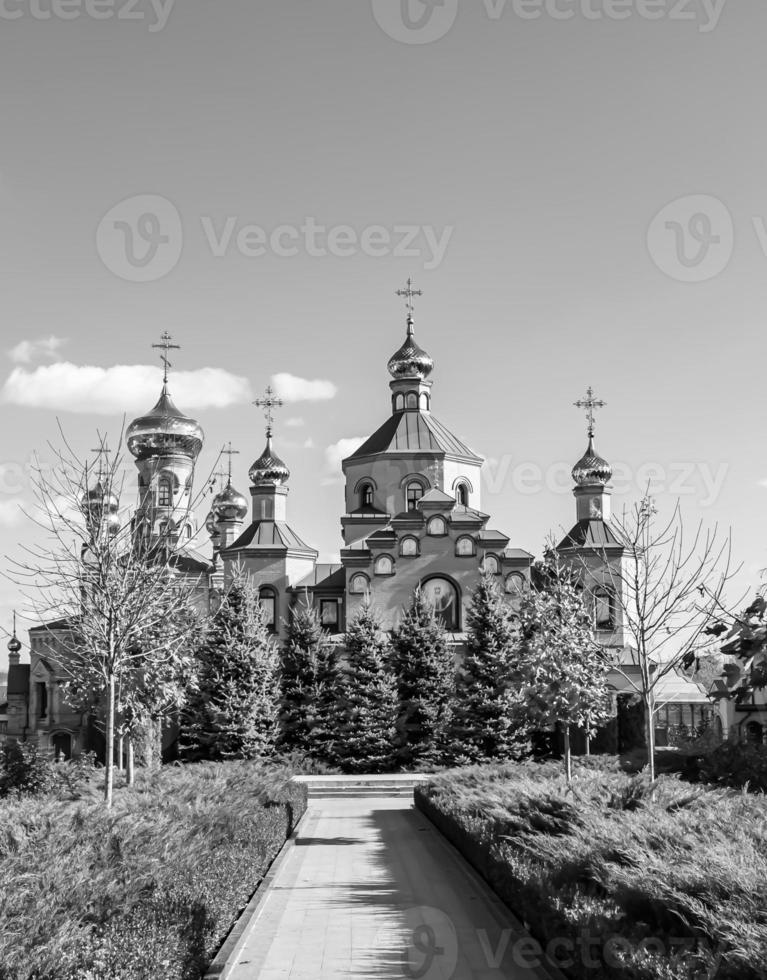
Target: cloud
(10, 512)
(292, 389)
(337, 452)
(123, 388)
(31, 350)
(294, 423)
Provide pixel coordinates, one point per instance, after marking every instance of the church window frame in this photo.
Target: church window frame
(384, 566)
(437, 527)
(414, 491)
(359, 584)
(399, 402)
(330, 614)
(491, 565)
(411, 401)
(425, 401)
(465, 547)
(410, 547)
(366, 492)
(165, 492)
(515, 584)
(603, 603)
(453, 625)
(462, 494)
(267, 600)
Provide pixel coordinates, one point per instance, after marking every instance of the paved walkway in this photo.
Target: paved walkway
(371, 889)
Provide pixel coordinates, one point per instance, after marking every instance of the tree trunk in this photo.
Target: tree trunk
(130, 772)
(568, 757)
(109, 773)
(649, 711)
(120, 743)
(588, 744)
(147, 741)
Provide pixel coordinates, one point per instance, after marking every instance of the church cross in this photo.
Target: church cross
(102, 455)
(590, 403)
(165, 345)
(228, 451)
(408, 293)
(268, 403)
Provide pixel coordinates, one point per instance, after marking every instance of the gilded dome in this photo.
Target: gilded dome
(100, 499)
(14, 644)
(164, 431)
(410, 361)
(230, 504)
(591, 468)
(269, 468)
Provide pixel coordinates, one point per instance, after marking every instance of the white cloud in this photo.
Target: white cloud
(337, 452)
(31, 350)
(309, 443)
(10, 512)
(294, 423)
(127, 388)
(292, 389)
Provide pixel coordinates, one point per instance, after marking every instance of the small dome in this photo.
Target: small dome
(269, 468)
(591, 468)
(14, 644)
(164, 431)
(410, 361)
(230, 505)
(99, 499)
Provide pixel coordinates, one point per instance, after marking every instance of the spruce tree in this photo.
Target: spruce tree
(425, 673)
(367, 705)
(308, 685)
(233, 713)
(484, 725)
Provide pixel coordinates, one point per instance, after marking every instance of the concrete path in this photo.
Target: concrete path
(371, 889)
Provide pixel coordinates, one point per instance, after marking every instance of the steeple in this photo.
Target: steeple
(410, 365)
(14, 646)
(592, 473)
(228, 509)
(269, 475)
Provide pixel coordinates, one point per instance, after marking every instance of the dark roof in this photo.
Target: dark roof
(407, 432)
(190, 561)
(270, 535)
(593, 533)
(18, 679)
(491, 535)
(55, 624)
(517, 553)
(325, 578)
(463, 513)
(439, 498)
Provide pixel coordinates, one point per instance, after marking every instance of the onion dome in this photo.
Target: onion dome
(229, 505)
(100, 507)
(591, 468)
(14, 644)
(164, 431)
(410, 361)
(269, 468)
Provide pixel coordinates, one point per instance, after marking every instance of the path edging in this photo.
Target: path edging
(226, 958)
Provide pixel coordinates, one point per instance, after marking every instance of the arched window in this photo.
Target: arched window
(412, 400)
(436, 527)
(366, 495)
(443, 595)
(462, 494)
(359, 584)
(399, 403)
(603, 609)
(384, 565)
(267, 599)
(413, 494)
(424, 401)
(464, 547)
(490, 565)
(409, 547)
(188, 531)
(165, 493)
(515, 583)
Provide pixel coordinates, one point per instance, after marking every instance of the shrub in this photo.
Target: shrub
(148, 889)
(736, 764)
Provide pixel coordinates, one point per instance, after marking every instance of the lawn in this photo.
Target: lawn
(611, 882)
(147, 890)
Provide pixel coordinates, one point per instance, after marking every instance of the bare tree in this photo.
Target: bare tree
(666, 590)
(124, 601)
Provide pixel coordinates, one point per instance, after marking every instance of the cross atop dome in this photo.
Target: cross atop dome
(590, 403)
(229, 452)
(408, 293)
(165, 345)
(268, 403)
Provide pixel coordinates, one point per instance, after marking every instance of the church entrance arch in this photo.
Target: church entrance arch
(442, 592)
(61, 743)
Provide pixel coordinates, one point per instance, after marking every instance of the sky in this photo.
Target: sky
(577, 187)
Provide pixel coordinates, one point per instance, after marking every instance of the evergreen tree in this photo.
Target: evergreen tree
(484, 724)
(564, 670)
(234, 711)
(425, 673)
(367, 706)
(308, 685)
